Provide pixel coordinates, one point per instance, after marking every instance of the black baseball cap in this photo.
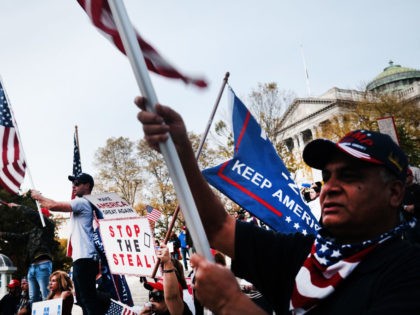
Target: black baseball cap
(82, 178)
(369, 146)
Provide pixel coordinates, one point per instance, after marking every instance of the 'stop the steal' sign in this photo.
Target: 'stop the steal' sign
(129, 246)
(112, 206)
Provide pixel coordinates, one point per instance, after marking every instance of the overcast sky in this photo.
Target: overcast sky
(58, 71)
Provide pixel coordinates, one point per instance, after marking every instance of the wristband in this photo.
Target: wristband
(168, 270)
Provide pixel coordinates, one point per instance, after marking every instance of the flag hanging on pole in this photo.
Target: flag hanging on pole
(13, 163)
(101, 16)
(77, 164)
(257, 179)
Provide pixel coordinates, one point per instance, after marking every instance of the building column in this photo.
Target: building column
(301, 144)
(3, 284)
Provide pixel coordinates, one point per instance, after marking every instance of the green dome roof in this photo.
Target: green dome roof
(391, 74)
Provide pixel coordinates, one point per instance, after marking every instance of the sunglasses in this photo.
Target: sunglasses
(156, 295)
(76, 183)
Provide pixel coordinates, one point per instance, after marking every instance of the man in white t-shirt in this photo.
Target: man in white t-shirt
(82, 249)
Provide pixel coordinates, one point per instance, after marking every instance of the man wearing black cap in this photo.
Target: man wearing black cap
(82, 248)
(357, 264)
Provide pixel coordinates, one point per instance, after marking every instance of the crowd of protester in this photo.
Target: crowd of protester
(368, 244)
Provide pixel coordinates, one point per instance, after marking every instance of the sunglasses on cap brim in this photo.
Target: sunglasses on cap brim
(156, 295)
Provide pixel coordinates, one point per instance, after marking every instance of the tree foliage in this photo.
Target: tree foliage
(119, 168)
(122, 162)
(365, 113)
(267, 103)
(13, 220)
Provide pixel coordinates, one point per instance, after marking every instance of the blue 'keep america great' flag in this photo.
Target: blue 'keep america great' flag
(256, 178)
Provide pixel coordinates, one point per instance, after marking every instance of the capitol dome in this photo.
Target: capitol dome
(5, 262)
(394, 78)
(6, 270)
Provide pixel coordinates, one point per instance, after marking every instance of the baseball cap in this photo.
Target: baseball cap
(154, 285)
(82, 178)
(158, 286)
(13, 283)
(369, 146)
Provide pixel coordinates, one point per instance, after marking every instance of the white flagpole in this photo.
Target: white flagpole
(23, 152)
(306, 71)
(168, 150)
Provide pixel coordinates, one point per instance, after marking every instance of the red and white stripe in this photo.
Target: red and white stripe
(315, 282)
(13, 164)
(101, 16)
(153, 214)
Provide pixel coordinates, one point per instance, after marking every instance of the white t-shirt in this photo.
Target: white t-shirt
(81, 229)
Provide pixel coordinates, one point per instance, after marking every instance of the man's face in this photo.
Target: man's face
(81, 189)
(158, 302)
(356, 202)
(24, 286)
(14, 291)
(410, 179)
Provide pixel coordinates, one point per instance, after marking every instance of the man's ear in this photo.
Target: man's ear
(397, 190)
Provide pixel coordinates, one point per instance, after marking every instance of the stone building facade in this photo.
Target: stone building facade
(305, 118)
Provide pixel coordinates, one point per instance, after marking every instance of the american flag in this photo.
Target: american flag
(101, 16)
(77, 165)
(118, 308)
(77, 169)
(13, 163)
(153, 214)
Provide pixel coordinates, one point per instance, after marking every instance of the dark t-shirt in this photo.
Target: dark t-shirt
(8, 304)
(185, 312)
(387, 281)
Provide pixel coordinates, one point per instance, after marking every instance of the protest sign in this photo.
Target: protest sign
(48, 307)
(112, 206)
(129, 246)
(387, 126)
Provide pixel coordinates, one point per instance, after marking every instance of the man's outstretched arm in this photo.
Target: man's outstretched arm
(59, 206)
(219, 226)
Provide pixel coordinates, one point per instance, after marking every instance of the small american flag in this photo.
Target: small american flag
(101, 16)
(153, 214)
(13, 163)
(118, 308)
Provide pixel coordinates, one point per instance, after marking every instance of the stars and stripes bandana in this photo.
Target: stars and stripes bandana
(329, 263)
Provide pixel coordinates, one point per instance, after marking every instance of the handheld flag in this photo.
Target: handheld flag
(257, 179)
(101, 16)
(153, 214)
(118, 308)
(13, 163)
